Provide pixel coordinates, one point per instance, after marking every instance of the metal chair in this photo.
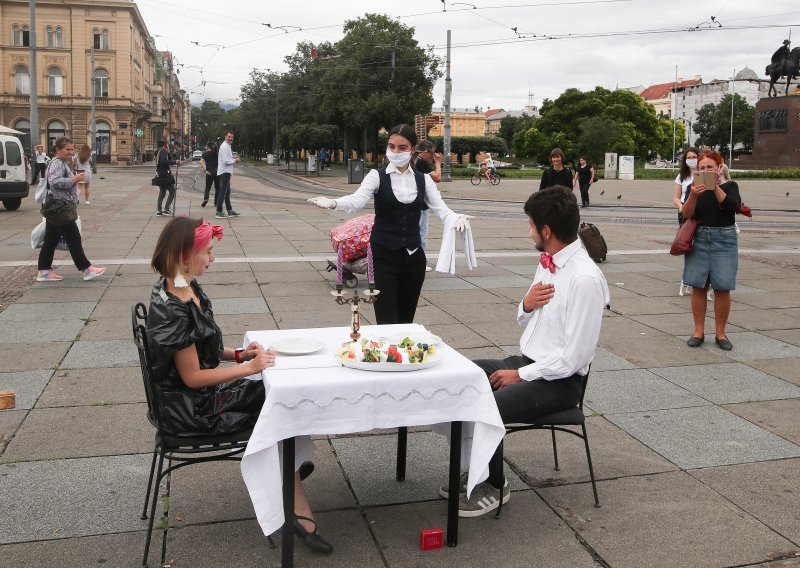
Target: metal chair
(558, 421)
(185, 450)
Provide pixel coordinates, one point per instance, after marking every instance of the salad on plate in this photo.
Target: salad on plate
(404, 352)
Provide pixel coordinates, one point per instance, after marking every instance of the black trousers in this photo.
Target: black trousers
(209, 180)
(162, 191)
(399, 277)
(38, 171)
(72, 236)
(223, 193)
(526, 401)
(584, 192)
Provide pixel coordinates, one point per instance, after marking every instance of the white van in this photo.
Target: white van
(14, 169)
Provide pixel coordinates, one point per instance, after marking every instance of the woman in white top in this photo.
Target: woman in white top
(400, 194)
(683, 181)
(83, 163)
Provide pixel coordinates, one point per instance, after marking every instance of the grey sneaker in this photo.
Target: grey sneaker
(444, 490)
(221, 215)
(232, 213)
(484, 499)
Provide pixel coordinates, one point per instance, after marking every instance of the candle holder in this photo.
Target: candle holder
(355, 302)
(341, 296)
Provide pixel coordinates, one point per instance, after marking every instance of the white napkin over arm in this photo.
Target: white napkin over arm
(447, 252)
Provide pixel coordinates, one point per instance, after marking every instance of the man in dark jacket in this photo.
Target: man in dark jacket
(209, 164)
(168, 184)
(557, 173)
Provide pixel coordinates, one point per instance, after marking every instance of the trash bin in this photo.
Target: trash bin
(270, 159)
(355, 171)
(312, 163)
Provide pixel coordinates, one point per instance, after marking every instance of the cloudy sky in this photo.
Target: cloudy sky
(629, 43)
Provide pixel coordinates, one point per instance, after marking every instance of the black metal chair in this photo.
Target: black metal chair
(559, 421)
(185, 450)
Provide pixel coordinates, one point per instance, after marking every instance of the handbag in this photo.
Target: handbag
(37, 236)
(58, 212)
(684, 238)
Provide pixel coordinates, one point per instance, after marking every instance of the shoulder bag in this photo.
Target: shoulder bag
(684, 238)
(57, 211)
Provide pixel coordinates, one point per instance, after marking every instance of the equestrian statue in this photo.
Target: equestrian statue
(785, 63)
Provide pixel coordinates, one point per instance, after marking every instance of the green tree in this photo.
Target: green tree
(473, 145)
(713, 124)
(510, 125)
(208, 121)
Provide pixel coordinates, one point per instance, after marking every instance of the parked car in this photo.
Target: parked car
(196, 155)
(14, 170)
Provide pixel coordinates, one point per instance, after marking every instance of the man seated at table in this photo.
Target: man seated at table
(560, 315)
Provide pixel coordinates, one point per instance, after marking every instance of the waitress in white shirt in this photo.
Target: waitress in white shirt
(400, 194)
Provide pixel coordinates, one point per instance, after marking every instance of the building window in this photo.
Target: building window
(21, 35)
(55, 130)
(22, 125)
(101, 83)
(50, 35)
(101, 39)
(22, 80)
(55, 36)
(55, 82)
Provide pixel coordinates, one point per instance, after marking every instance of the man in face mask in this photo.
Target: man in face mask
(400, 195)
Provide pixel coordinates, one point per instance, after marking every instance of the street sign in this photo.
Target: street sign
(139, 133)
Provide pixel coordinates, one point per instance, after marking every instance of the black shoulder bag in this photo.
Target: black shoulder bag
(57, 211)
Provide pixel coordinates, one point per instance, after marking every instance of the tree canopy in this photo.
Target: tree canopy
(713, 124)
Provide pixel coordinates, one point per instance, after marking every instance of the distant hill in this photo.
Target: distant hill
(228, 106)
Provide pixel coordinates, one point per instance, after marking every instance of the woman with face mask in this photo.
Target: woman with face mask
(683, 181)
(400, 194)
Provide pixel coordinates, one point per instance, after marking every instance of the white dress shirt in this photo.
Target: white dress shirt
(561, 336)
(225, 159)
(404, 187)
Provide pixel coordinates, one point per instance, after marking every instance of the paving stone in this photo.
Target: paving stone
(241, 323)
(428, 315)
(728, 382)
(41, 331)
(46, 356)
(777, 416)
(614, 454)
(475, 297)
(93, 354)
(705, 528)
(786, 369)
(459, 336)
(289, 276)
(503, 281)
(513, 544)
(82, 497)
(605, 360)
(27, 386)
(9, 422)
(765, 490)
(82, 431)
(369, 464)
(505, 314)
(634, 267)
(46, 312)
(704, 437)
(638, 306)
(227, 306)
(242, 544)
(635, 389)
(748, 346)
(445, 284)
(120, 550)
(757, 320)
(60, 295)
(773, 300)
(106, 329)
(677, 324)
(786, 335)
(93, 387)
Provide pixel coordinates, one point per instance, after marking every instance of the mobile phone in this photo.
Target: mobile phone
(709, 179)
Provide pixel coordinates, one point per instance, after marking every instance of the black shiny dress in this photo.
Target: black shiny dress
(173, 325)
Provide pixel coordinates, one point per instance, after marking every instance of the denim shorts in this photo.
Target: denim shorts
(714, 258)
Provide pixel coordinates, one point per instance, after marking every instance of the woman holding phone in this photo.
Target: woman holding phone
(714, 258)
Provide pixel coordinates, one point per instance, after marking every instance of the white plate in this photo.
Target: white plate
(415, 336)
(296, 345)
(388, 367)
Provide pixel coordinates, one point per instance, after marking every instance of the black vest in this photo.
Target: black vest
(397, 224)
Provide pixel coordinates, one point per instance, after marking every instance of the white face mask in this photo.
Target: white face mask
(692, 163)
(399, 159)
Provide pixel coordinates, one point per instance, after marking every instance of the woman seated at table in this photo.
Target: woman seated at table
(198, 397)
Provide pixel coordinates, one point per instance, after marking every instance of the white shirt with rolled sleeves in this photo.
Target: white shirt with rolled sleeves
(225, 159)
(561, 336)
(404, 187)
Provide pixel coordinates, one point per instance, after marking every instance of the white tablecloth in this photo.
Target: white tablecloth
(334, 399)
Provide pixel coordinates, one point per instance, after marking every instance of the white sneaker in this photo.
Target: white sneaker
(93, 272)
(428, 269)
(87, 202)
(484, 499)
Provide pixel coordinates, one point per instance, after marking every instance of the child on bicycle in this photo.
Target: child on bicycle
(488, 167)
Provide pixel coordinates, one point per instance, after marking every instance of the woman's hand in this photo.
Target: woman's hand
(697, 190)
(79, 177)
(251, 351)
(262, 360)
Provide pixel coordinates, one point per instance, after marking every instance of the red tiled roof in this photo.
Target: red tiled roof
(655, 92)
(492, 111)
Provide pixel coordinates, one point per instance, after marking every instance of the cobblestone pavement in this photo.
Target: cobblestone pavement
(697, 451)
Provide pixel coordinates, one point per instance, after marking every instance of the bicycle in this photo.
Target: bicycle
(480, 176)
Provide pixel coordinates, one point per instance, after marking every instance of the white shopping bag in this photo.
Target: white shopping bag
(37, 236)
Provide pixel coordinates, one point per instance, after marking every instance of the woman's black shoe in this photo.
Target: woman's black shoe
(724, 344)
(313, 540)
(695, 341)
(306, 468)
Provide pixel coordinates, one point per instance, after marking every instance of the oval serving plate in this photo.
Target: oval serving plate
(296, 345)
(388, 367)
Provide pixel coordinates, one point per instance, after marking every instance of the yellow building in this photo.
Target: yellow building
(463, 122)
(129, 82)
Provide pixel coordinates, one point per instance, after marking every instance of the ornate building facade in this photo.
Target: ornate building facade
(136, 94)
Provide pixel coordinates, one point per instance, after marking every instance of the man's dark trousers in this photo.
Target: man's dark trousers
(224, 192)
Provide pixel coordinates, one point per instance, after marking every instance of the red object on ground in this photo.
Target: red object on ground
(431, 539)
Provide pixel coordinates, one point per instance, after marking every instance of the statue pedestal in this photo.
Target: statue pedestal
(777, 135)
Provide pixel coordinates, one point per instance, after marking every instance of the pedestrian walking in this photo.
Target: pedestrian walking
(584, 176)
(165, 160)
(557, 173)
(427, 162)
(209, 164)
(83, 163)
(41, 159)
(225, 162)
(60, 217)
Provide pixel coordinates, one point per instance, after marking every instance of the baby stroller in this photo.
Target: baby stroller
(353, 238)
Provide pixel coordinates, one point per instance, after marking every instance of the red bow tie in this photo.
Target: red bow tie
(547, 262)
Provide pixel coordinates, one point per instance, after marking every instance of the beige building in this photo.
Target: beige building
(136, 94)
